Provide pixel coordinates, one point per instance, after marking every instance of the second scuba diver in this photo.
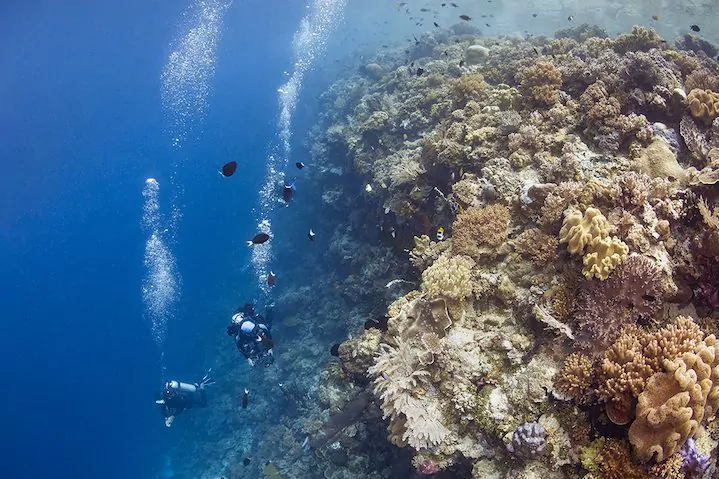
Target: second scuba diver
(178, 397)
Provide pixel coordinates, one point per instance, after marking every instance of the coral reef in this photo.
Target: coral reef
(528, 440)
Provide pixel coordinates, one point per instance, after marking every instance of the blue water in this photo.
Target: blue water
(81, 128)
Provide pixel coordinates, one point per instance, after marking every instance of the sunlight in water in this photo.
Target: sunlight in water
(160, 286)
(309, 42)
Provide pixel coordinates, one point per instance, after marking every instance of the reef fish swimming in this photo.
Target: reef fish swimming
(299, 165)
(311, 235)
(259, 238)
(271, 279)
(287, 192)
(245, 398)
(228, 169)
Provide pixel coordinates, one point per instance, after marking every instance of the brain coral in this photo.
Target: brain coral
(676, 402)
(703, 104)
(449, 277)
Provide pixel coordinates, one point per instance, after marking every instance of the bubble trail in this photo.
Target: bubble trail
(308, 43)
(161, 284)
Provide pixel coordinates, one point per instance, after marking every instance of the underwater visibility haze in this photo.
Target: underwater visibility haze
(359, 239)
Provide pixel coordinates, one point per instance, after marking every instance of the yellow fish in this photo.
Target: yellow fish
(440, 234)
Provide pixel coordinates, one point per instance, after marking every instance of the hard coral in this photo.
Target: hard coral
(659, 161)
(576, 378)
(449, 278)
(703, 104)
(540, 247)
(528, 440)
(479, 226)
(615, 462)
(541, 82)
(641, 38)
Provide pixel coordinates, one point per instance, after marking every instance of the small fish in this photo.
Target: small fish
(411, 65)
(436, 24)
(424, 9)
(454, 5)
(287, 192)
(487, 25)
(335, 350)
(311, 235)
(271, 279)
(228, 169)
(446, 53)
(655, 18)
(570, 17)
(440, 234)
(535, 50)
(245, 398)
(246, 461)
(466, 18)
(380, 322)
(444, 4)
(534, 15)
(299, 165)
(420, 71)
(461, 63)
(259, 238)
(368, 188)
(695, 28)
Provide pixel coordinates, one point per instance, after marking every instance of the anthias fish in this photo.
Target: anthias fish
(259, 238)
(228, 169)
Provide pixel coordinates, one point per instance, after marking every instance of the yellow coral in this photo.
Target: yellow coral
(449, 277)
(703, 104)
(659, 161)
(579, 230)
(603, 255)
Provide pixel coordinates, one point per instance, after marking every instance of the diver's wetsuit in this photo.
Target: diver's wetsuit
(178, 401)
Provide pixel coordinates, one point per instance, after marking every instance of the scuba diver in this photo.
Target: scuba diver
(251, 332)
(178, 397)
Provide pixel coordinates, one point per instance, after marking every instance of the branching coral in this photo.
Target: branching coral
(449, 278)
(479, 226)
(469, 87)
(641, 38)
(540, 247)
(541, 82)
(576, 378)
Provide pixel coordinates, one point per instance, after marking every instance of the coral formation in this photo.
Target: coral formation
(449, 277)
(528, 440)
(479, 226)
(703, 104)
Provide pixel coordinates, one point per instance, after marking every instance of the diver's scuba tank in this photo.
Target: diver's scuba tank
(180, 386)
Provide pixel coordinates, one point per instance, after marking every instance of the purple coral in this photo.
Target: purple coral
(633, 292)
(528, 440)
(695, 463)
(427, 467)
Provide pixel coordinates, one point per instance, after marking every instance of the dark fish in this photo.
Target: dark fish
(299, 165)
(271, 279)
(424, 9)
(245, 398)
(461, 63)
(466, 18)
(287, 192)
(487, 24)
(246, 461)
(228, 169)
(655, 18)
(444, 4)
(534, 15)
(436, 24)
(311, 235)
(454, 5)
(335, 350)
(420, 71)
(695, 28)
(570, 17)
(259, 238)
(380, 322)
(411, 65)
